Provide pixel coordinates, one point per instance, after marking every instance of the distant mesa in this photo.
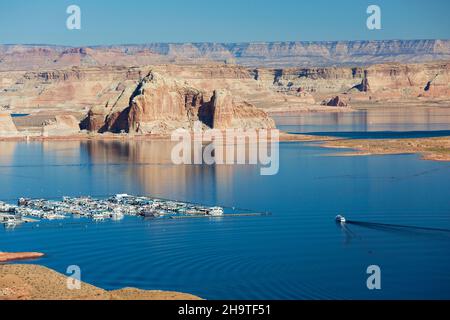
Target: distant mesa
(269, 54)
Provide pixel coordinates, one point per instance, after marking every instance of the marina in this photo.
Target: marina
(112, 208)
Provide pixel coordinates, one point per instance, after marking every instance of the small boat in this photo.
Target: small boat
(11, 222)
(340, 219)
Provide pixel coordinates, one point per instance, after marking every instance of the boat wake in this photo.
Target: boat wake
(398, 227)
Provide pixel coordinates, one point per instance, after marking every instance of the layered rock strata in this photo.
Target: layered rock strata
(161, 104)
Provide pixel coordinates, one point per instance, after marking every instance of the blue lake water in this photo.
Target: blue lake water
(19, 115)
(297, 253)
(371, 124)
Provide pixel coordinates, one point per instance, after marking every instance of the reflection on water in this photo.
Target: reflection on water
(149, 164)
(141, 166)
(388, 119)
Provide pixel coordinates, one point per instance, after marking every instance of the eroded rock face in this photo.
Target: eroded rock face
(336, 102)
(7, 126)
(396, 76)
(61, 125)
(95, 119)
(227, 113)
(161, 104)
(222, 109)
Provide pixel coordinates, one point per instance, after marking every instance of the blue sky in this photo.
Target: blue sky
(139, 21)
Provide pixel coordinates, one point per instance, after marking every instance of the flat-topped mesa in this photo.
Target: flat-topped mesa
(161, 104)
(408, 80)
(382, 81)
(271, 54)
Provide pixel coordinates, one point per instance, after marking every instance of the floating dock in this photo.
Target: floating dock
(228, 215)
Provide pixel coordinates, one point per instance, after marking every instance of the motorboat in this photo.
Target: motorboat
(340, 219)
(11, 221)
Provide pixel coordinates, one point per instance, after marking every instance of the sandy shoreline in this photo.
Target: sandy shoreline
(33, 282)
(7, 256)
(435, 149)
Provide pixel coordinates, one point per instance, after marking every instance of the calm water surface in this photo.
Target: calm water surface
(376, 123)
(297, 253)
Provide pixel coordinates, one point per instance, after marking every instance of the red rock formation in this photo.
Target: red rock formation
(95, 119)
(335, 102)
(384, 81)
(222, 109)
(408, 81)
(228, 113)
(161, 104)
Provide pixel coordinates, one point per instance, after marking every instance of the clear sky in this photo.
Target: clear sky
(140, 21)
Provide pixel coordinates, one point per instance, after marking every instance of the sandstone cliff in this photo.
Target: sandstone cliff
(161, 104)
(385, 81)
(116, 98)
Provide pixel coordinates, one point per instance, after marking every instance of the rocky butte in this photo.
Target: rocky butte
(159, 105)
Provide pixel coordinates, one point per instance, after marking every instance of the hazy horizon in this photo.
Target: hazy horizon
(212, 42)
